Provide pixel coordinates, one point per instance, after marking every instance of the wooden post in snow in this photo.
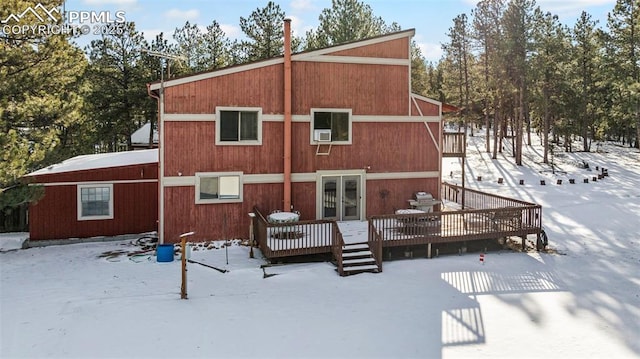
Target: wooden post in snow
(183, 251)
(252, 216)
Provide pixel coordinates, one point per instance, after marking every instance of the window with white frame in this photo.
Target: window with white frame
(241, 126)
(95, 202)
(223, 187)
(338, 121)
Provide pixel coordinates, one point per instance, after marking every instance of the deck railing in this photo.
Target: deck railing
(375, 244)
(406, 229)
(478, 200)
(296, 238)
(453, 144)
(485, 216)
(336, 248)
(455, 226)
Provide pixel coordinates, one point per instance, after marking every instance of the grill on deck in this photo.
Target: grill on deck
(423, 201)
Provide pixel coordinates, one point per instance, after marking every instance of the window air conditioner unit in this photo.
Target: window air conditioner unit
(322, 135)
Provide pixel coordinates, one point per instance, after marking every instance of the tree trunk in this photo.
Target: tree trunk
(527, 119)
(637, 127)
(546, 125)
(487, 124)
(518, 149)
(496, 130)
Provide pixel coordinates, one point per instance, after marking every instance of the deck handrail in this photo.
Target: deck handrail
(455, 226)
(484, 215)
(295, 238)
(375, 244)
(336, 248)
(479, 200)
(260, 231)
(453, 144)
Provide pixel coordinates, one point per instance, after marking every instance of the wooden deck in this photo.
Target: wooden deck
(485, 216)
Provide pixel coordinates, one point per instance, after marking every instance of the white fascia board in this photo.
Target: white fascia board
(361, 60)
(353, 45)
(428, 100)
(189, 117)
(263, 178)
(217, 73)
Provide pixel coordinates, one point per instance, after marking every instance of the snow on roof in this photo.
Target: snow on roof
(101, 160)
(141, 136)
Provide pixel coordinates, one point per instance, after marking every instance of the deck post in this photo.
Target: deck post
(183, 254)
(287, 116)
(429, 250)
(252, 217)
(524, 243)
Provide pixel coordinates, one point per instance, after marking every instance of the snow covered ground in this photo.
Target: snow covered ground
(582, 299)
(12, 241)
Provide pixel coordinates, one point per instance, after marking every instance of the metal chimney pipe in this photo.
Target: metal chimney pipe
(287, 115)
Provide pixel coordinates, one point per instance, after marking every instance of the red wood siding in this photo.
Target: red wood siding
(329, 85)
(427, 108)
(396, 49)
(303, 199)
(55, 216)
(383, 146)
(366, 89)
(191, 148)
(398, 192)
(261, 87)
(215, 221)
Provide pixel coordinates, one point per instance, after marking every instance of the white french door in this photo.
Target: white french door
(341, 197)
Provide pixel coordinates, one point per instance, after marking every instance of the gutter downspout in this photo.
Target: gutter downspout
(160, 220)
(287, 115)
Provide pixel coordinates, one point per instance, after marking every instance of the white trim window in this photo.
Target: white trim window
(222, 187)
(238, 126)
(338, 121)
(95, 202)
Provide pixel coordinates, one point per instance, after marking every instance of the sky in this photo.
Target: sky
(430, 18)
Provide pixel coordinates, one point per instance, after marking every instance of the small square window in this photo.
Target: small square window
(238, 126)
(95, 202)
(218, 187)
(337, 121)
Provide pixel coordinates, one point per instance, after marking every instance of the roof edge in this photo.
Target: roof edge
(278, 60)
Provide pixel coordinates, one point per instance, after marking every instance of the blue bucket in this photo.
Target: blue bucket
(164, 253)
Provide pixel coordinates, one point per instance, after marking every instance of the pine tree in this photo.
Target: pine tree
(624, 27)
(517, 44)
(346, 21)
(189, 45)
(118, 98)
(585, 55)
(419, 78)
(40, 104)
(216, 47)
(487, 31)
(458, 52)
(264, 28)
(549, 75)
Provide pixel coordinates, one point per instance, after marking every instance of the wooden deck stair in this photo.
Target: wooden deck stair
(357, 258)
